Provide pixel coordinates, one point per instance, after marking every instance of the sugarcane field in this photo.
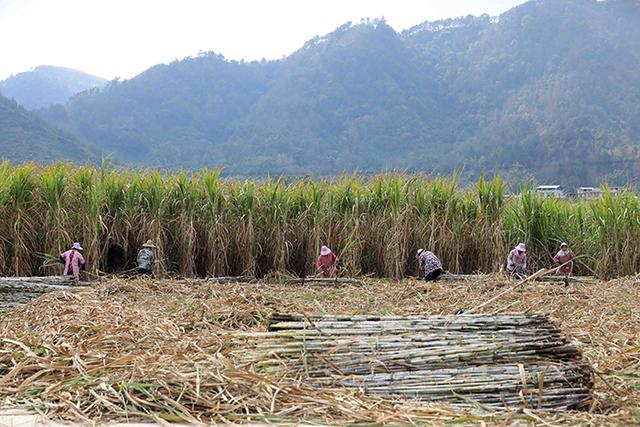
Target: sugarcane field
(192, 299)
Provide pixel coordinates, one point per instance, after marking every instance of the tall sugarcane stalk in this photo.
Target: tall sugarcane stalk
(206, 225)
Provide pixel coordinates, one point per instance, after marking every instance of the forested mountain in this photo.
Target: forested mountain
(26, 137)
(47, 85)
(171, 115)
(549, 89)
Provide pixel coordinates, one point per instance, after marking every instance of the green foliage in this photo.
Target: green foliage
(53, 185)
(205, 225)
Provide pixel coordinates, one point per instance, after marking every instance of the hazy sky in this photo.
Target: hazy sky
(121, 38)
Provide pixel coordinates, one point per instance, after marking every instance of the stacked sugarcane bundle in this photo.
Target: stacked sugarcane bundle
(16, 291)
(586, 280)
(230, 279)
(323, 281)
(9, 299)
(35, 282)
(489, 361)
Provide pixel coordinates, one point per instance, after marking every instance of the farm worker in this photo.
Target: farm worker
(73, 261)
(517, 260)
(429, 265)
(564, 256)
(146, 259)
(325, 266)
(115, 256)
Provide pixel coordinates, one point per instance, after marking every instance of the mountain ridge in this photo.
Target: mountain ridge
(524, 94)
(47, 85)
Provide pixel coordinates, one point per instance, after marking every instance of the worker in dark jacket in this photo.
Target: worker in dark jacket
(115, 256)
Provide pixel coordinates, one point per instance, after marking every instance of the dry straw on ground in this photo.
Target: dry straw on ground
(162, 350)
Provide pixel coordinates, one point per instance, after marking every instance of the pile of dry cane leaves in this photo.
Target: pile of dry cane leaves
(161, 350)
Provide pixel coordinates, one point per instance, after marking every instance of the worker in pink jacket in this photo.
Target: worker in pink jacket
(73, 260)
(564, 258)
(517, 260)
(325, 265)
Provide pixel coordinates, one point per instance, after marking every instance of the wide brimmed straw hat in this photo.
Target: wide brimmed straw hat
(76, 246)
(419, 252)
(521, 247)
(325, 250)
(563, 244)
(149, 244)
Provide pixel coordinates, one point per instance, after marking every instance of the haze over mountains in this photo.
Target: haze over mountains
(549, 89)
(46, 85)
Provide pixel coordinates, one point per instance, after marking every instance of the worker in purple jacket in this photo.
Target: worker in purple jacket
(429, 265)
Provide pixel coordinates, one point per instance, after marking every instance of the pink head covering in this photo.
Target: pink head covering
(76, 246)
(521, 247)
(325, 250)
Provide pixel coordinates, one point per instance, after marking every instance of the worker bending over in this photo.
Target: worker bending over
(517, 260)
(115, 256)
(429, 265)
(146, 259)
(325, 265)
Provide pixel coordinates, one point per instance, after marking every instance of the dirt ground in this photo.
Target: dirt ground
(161, 350)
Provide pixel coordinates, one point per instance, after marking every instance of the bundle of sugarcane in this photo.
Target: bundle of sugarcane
(44, 282)
(537, 385)
(494, 360)
(10, 298)
(15, 291)
(230, 279)
(324, 281)
(587, 280)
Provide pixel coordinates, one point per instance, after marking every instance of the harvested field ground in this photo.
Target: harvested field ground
(161, 350)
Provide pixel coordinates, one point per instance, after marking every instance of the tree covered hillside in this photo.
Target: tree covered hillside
(549, 89)
(25, 137)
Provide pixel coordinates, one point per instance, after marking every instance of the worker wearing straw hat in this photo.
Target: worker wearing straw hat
(325, 265)
(146, 259)
(429, 265)
(73, 260)
(517, 260)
